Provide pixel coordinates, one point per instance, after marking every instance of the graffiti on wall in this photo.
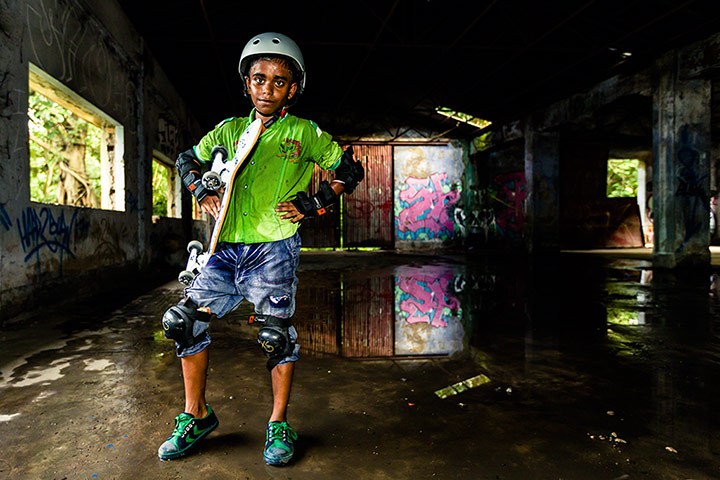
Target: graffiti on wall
(168, 136)
(59, 32)
(692, 191)
(508, 194)
(5, 220)
(109, 239)
(40, 230)
(425, 208)
(424, 297)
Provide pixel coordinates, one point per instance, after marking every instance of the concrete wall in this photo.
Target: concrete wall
(90, 48)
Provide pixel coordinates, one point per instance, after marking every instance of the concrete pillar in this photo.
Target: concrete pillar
(542, 177)
(681, 155)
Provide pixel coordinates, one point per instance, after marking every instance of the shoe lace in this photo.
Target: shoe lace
(180, 422)
(277, 431)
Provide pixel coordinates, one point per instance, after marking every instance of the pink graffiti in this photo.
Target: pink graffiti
(425, 296)
(511, 195)
(424, 206)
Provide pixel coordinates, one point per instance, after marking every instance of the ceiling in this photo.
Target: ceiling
(382, 65)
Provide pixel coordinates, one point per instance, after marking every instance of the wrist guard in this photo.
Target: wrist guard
(316, 205)
(189, 168)
(349, 171)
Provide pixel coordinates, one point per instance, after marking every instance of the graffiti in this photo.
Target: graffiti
(484, 282)
(459, 217)
(423, 297)
(5, 219)
(82, 229)
(109, 239)
(692, 190)
(82, 53)
(168, 137)
(359, 208)
(424, 208)
(508, 192)
(41, 230)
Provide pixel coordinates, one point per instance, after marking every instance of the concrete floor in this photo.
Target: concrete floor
(598, 368)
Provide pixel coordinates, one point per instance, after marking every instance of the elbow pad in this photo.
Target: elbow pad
(349, 171)
(189, 167)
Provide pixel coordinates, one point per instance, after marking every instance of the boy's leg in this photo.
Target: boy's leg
(271, 287)
(212, 291)
(282, 377)
(198, 419)
(194, 368)
(280, 436)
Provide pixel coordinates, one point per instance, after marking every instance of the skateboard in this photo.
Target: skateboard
(220, 178)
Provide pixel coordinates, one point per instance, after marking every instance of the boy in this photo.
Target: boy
(258, 245)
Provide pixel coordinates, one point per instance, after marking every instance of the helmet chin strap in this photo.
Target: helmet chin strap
(275, 116)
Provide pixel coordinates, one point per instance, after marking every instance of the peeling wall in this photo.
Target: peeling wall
(428, 181)
(91, 48)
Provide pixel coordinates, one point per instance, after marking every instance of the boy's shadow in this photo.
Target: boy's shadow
(302, 445)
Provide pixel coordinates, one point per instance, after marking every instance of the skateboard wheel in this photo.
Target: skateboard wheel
(186, 277)
(195, 245)
(211, 181)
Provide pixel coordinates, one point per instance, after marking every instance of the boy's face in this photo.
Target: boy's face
(269, 85)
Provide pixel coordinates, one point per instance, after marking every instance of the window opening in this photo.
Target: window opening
(622, 177)
(76, 150)
(165, 188)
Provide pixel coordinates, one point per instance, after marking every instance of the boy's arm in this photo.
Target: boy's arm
(348, 173)
(189, 168)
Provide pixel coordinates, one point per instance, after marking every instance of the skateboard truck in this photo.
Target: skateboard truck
(195, 262)
(216, 177)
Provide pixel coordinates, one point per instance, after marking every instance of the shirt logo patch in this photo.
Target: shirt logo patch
(290, 149)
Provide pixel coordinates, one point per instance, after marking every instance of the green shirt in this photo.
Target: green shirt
(280, 166)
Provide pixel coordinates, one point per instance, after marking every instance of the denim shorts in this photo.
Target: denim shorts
(261, 273)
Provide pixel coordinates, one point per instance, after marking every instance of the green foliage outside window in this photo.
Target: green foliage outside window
(622, 177)
(160, 188)
(64, 155)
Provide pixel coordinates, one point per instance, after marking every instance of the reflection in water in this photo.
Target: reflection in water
(570, 339)
(413, 312)
(428, 316)
(460, 387)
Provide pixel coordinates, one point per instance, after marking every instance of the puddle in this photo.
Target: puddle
(42, 375)
(7, 418)
(97, 365)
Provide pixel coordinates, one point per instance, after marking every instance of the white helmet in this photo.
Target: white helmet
(271, 43)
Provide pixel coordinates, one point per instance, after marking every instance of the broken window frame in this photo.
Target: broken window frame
(112, 146)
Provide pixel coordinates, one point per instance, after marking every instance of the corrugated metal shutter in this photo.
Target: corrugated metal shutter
(323, 231)
(368, 212)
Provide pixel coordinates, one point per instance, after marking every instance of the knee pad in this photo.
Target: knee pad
(274, 338)
(179, 320)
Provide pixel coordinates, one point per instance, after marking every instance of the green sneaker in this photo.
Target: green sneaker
(279, 440)
(188, 430)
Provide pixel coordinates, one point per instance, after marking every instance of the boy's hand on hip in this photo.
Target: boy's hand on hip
(292, 212)
(211, 205)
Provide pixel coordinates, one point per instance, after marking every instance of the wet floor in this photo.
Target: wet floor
(454, 367)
